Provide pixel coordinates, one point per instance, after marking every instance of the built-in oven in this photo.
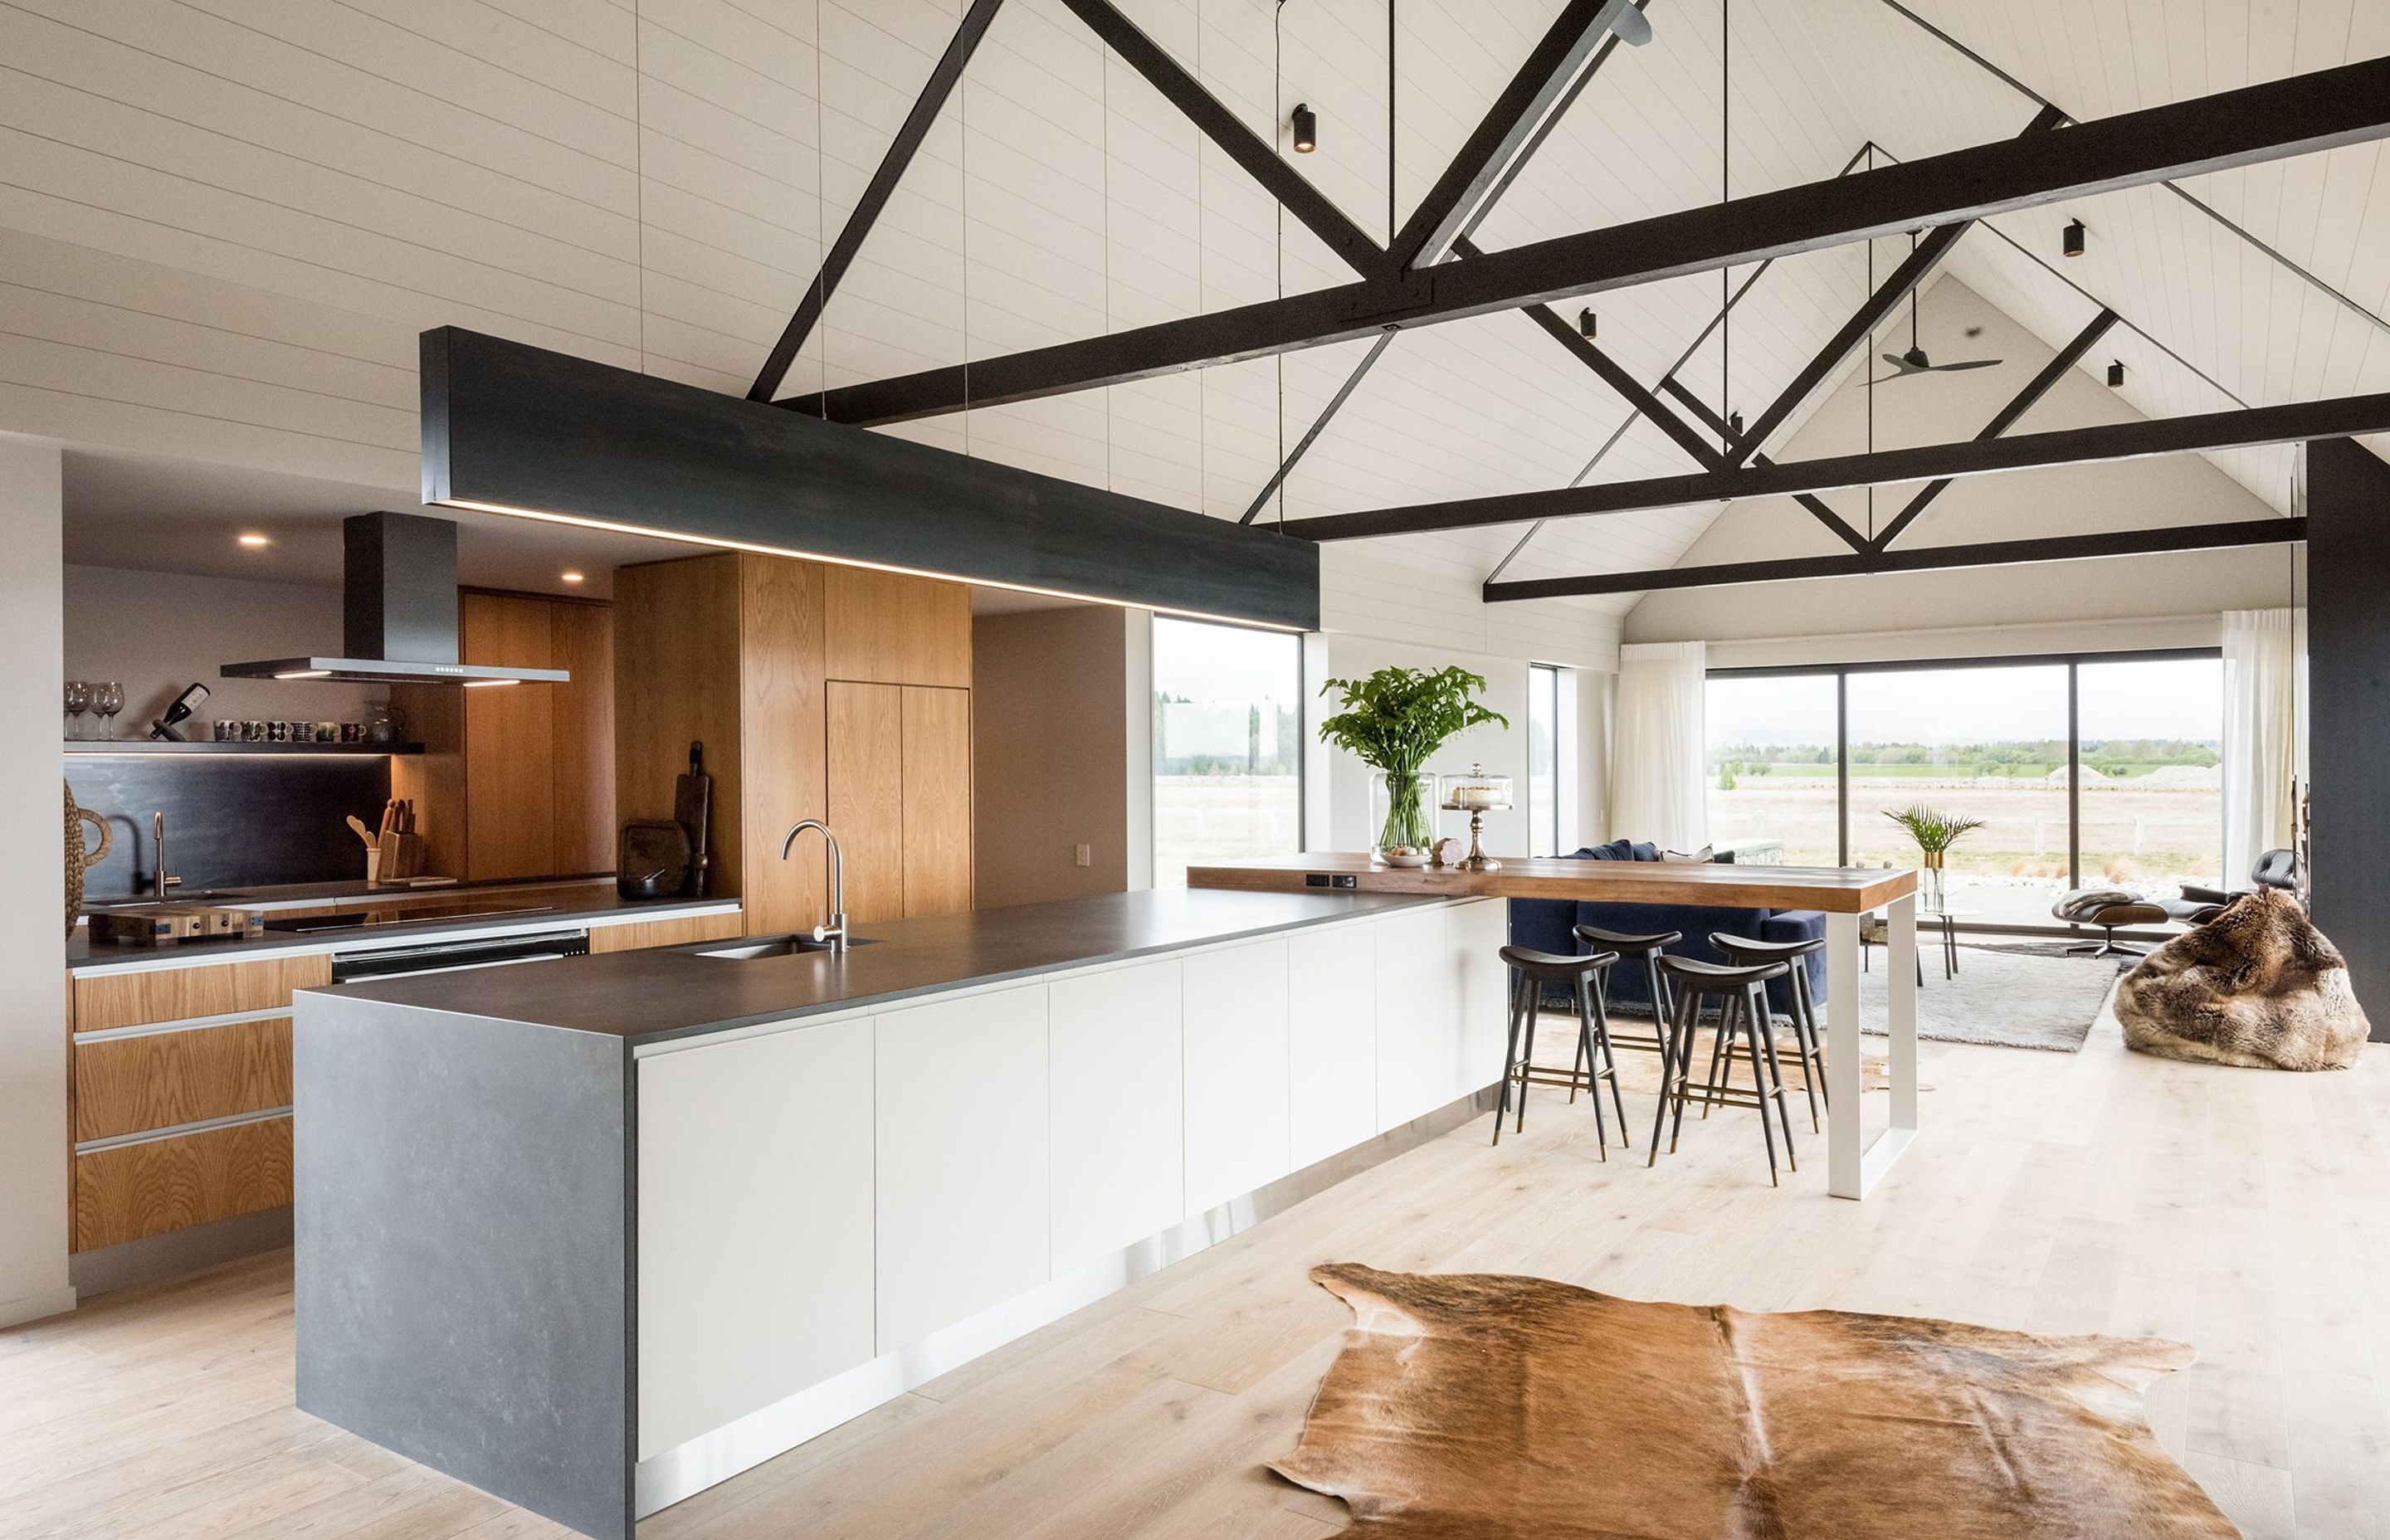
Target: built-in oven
(454, 955)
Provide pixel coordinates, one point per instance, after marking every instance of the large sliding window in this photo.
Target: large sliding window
(2151, 808)
(1986, 743)
(1774, 758)
(1228, 744)
(2090, 770)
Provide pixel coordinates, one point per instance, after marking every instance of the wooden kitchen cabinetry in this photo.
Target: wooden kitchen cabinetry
(518, 781)
(900, 797)
(179, 1095)
(820, 692)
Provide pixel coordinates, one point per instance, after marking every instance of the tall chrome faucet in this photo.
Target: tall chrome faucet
(835, 932)
(164, 878)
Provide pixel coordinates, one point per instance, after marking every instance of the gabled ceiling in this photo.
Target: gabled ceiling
(1059, 196)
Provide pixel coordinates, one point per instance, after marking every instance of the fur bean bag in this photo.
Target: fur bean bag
(2258, 986)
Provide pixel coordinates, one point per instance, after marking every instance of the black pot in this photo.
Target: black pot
(661, 883)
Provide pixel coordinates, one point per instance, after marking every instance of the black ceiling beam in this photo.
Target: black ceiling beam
(1515, 121)
(1816, 506)
(1261, 160)
(1922, 259)
(2300, 115)
(2239, 428)
(876, 194)
(2006, 418)
(1921, 559)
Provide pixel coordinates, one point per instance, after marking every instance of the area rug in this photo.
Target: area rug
(1514, 1408)
(2010, 1000)
(2004, 998)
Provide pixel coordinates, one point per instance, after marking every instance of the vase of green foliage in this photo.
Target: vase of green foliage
(1394, 722)
(1934, 832)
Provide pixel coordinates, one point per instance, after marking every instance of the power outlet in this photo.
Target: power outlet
(1085, 856)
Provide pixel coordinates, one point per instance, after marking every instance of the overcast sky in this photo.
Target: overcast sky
(1225, 663)
(2175, 698)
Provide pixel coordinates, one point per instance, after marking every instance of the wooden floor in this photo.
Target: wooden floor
(2245, 1213)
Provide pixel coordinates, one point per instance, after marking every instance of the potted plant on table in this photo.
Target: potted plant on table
(1934, 832)
(1394, 722)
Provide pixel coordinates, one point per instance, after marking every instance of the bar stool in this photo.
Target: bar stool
(1593, 1063)
(1745, 952)
(1650, 949)
(1742, 1006)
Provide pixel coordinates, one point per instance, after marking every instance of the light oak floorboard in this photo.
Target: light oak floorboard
(2245, 1213)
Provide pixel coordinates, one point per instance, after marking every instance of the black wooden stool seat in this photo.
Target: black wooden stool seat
(1740, 990)
(1648, 949)
(1593, 1063)
(1809, 1040)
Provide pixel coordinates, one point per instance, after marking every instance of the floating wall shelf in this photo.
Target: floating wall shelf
(145, 746)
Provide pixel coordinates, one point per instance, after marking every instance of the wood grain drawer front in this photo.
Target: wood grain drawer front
(677, 931)
(157, 1080)
(179, 994)
(133, 1191)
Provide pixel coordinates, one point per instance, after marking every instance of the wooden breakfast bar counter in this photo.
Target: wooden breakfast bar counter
(1845, 893)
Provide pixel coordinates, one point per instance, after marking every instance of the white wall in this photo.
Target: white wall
(32, 962)
(156, 632)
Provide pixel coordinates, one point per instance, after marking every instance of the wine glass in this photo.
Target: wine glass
(108, 700)
(78, 703)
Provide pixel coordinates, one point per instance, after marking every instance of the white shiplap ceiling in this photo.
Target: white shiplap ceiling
(1061, 197)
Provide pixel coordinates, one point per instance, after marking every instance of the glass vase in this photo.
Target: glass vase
(1402, 809)
(1931, 894)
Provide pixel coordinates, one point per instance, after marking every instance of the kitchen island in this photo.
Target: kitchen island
(600, 1234)
(1845, 893)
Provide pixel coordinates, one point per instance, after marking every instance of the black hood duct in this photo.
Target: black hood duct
(398, 606)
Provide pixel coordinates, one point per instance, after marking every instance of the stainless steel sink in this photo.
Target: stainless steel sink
(774, 946)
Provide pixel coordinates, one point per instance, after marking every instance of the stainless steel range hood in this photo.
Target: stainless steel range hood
(398, 606)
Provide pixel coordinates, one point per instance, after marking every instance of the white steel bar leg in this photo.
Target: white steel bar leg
(1843, 1156)
(1852, 1170)
(1901, 918)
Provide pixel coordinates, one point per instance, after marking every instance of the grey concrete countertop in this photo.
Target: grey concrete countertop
(537, 904)
(672, 991)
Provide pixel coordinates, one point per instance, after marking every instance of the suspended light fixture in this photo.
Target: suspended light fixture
(2115, 373)
(1307, 129)
(2071, 243)
(1734, 424)
(1586, 322)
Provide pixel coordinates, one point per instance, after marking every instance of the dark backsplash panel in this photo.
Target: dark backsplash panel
(238, 821)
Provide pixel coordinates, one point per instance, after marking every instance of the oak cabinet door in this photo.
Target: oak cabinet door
(867, 795)
(510, 741)
(937, 856)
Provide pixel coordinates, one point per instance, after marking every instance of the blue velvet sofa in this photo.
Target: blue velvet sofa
(1547, 924)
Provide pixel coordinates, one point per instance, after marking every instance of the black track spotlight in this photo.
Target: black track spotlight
(1586, 322)
(1734, 425)
(2071, 243)
(2115, 373)
(1307, 129)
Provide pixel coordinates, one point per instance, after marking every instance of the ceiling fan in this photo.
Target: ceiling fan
(1914, 362)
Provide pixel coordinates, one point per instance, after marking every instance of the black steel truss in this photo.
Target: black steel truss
(2237, 429)
(876, 193)
(1922, 259)
(1998, 553)
(1816, 505)
(2299, 115)
(2006, 418)
(1509, 130)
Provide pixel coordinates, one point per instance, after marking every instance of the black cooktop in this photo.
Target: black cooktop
(362, 920)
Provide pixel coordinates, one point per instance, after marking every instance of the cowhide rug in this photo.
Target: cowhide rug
(1478, 1406)
(2259, 986)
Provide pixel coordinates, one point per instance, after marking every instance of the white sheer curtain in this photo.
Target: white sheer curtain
(2261, 733)
(1656, 754)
